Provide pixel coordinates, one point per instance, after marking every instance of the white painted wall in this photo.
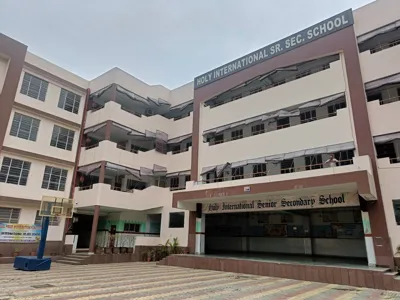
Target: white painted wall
(380, 64)
(108, 151)
(389, 175)
(384, 118)
(112, 111)
(50, 105)
(33, 190)
(42, 144)
(375, 15)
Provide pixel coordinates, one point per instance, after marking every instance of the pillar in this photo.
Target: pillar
(92, 244)
(369, 243)
(102, 172)
(192, 232)
(200, 234)
(107, 135)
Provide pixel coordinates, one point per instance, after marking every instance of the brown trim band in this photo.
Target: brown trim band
(15, 52)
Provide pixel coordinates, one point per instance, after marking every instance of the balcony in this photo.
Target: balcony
(113, 111)
(328, 131)
(109, 151)
(330, 82)
(139, 200)
(379, 64)
(379, 111)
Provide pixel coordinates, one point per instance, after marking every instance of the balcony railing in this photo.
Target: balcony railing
(120, 239)
(286, 170)
(385, 46)
(389, 100)
(269, 129)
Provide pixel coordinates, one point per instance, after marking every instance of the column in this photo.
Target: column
(200, 234)
(92, 244)
(107, 135)
(102, 172)
(369, 243)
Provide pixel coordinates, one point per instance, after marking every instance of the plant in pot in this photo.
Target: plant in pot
(17, 251)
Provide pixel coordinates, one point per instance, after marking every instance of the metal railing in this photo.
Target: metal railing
(269, 129)
(274, 171)
(266, 87)
(389, 100)
(382, 47)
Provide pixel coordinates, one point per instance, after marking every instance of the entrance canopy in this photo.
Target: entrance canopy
(345, 185)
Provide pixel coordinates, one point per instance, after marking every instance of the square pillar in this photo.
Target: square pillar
(93, 234)
(369, 243)
(107, 135)
(102, 172)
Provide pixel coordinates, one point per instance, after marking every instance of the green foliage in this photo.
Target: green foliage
(163, 250)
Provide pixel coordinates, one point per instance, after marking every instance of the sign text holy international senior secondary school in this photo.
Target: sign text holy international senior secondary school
(324, 28)
(286, 203)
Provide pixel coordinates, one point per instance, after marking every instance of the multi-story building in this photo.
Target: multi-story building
(291, 149)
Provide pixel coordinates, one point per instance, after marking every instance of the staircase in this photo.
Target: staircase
(74, 259)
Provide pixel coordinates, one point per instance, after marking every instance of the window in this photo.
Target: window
(176, 149)
(188, 178)
(53, 221)
(237, 173)
(287, 166)
(177, 220)
(387, 150)
(345, 157)
(69, 101)
(25, 127)
(308, 116)
(237, 134)
(188, 145)
(14, 171)
(174, 182)
(257, 129)
(313, 162)
(62, 138)
(219, 139)
(396, 208)
(132, 227)
(374, 96)
(333, 108)
(259, 170)
(34, 87)
(54, 179)
(283, 123)
(9, 215)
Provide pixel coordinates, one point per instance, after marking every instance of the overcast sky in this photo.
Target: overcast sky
(166, 42)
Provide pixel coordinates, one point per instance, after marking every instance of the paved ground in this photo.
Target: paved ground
(148, 281)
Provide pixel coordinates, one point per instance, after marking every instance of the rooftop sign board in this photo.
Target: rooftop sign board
(310, 34)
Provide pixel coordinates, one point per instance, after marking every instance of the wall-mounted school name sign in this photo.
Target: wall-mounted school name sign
(286, 203)
(324, 28)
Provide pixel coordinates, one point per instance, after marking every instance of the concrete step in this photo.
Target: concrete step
(83, 256)
(68, 262)
(78, 259)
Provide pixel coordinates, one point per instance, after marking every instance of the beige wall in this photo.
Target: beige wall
(389, 175)
(112, 111)
(375, 15)
(50, 105)
(108, 151)
(33, 190)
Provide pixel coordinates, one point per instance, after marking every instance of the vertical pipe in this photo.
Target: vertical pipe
(95, 222)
